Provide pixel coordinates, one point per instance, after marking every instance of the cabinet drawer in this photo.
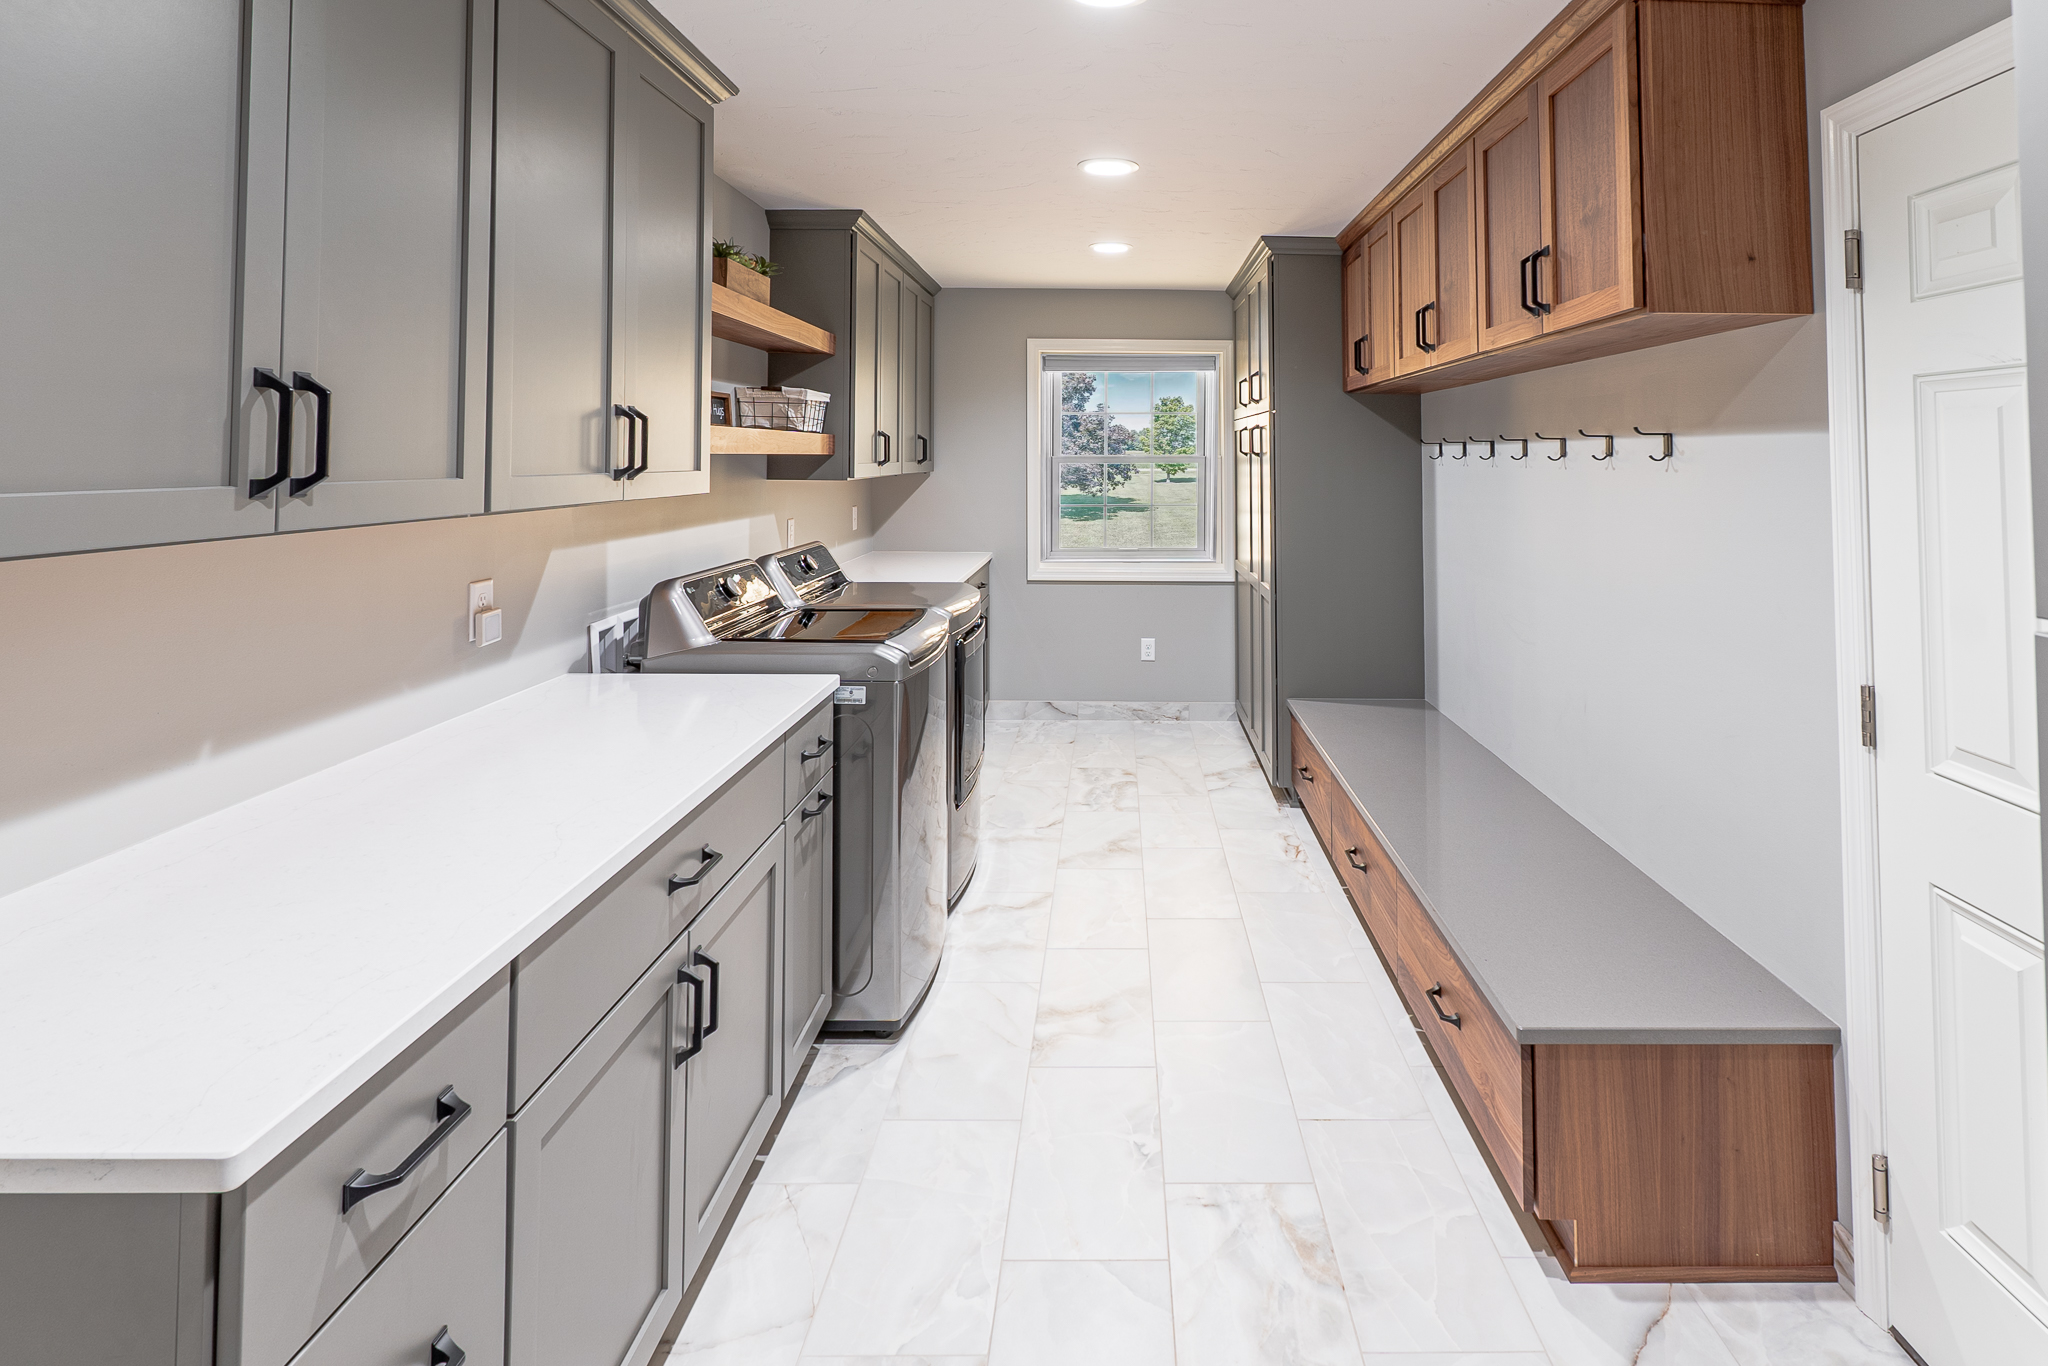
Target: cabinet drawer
(446, 1277)
(1484, 1062)
(289, 1254)
(565, 983)
(1310, 778)
(806, 756)
(1372, 886)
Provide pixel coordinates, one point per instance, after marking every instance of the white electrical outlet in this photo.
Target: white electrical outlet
(483, 598)
(790, 539)
(856, 519)
(1145, 650)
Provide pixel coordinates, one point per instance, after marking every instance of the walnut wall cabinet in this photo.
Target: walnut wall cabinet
(1657, 1101)
(1636, 176)
(1328, 501)
(841, 271)
(271, 306)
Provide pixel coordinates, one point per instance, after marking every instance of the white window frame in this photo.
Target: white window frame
(1127, 568)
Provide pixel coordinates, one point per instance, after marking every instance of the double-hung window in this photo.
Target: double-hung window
(1124, 442)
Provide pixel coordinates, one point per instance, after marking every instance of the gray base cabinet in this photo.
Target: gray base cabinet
(1328, 565)
(842, 272)
(807, 945)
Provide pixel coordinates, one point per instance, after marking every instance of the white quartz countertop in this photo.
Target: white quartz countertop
(915, 566)
(175, 1014)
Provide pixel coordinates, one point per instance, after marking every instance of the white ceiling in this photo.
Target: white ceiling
(958, 123)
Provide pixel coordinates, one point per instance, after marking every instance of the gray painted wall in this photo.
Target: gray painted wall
(1053, 641)
(736, 218)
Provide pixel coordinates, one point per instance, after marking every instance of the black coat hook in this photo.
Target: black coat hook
(1563, 445)
(1463, 449)
(1608, 437)
(1480, 442)
(1525, 446)
(1439, 449)
(1667, 443)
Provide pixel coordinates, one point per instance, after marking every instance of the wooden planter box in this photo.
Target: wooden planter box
(739, 279)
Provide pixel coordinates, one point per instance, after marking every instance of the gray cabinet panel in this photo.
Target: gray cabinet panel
(447, 1276)
(554, 439)
(888, 348)
(596, 1187)
(117, 314)
(869, 280)
(734, 1083)
(807, 940)
(664, 216)
(386, 241)
(806, 756)
(922, 374)
(114, 1280)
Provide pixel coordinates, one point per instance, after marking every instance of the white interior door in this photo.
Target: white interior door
(1965, 1026)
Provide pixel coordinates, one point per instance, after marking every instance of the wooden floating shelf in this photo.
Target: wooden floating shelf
(736, 318)
(768, 441)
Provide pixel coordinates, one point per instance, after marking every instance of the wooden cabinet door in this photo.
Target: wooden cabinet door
(1414, 234)
(125, 361)
(734, 1083)
(1589, 140)
(1453, 326)
(387, 259)
(1357, 317)
(1381, 329)
(1507, 173)
(665, 277)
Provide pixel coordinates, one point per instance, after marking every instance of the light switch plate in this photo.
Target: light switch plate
(483, 597)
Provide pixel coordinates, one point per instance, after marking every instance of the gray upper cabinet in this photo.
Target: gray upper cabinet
(118, 318)
(841, 271)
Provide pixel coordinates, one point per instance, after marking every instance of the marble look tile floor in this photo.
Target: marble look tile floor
(1164, 1108)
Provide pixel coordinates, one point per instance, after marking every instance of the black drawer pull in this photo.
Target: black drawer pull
(1306, 776)
(1351, 857)
(625, 471)
(449, 1111)
(809, 754)
(442, 1351)
(1435, 995)
(685, 978)
(646, 441)
(705, 960)
(268, 379)
(1358, 355)
(888, 448)
(322, 399)
(924, 448)
(1422, 340)
(712, 858)
(824, 800)
(1536, 283)
(1244, 399)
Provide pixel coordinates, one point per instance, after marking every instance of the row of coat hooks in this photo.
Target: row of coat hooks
(1493, 443)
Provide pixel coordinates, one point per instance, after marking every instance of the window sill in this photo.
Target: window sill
(1153, 571)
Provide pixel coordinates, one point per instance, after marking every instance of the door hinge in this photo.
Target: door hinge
(1880, 1188)
(1869, 698)
(1852, 258)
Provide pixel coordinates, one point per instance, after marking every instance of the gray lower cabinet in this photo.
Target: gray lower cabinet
(440, 1295)
(603, 158)
(597, 1184)
(807, 942)
(841, 271)
(733, 1079)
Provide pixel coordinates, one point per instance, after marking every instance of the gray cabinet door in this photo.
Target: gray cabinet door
(867, 453)
(926, 342)
(121, 140)
(664, 308)
(597, 1186)
(554, 436)
(807, 937)
(889, 367)
(387, 258)
(734, 1082)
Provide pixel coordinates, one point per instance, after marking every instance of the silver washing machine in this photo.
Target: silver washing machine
(891, 762)
(808, 576)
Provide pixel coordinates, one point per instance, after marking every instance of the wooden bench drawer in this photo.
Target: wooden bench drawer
(1367, 872)
(1488, 1067)
(1313, 786)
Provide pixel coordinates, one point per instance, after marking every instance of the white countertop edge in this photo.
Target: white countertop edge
(218, 1173)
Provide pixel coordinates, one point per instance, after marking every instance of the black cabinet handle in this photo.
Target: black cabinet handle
(1522, 274)
(1258, 383)
(1351, 857)
(625, 471)
(442, 1351)
(685, 978)
(809, 754)
(1422, 340)
(1306, 776)
(924, 448)
(1358, 355)
(712, 858)
(268, 379)
(705, 960)
(1435, 994)
(646, 443)
(1536, 281)
(449, 1111)
(1244, 391)
(322, 399)
(888, 448)
(824, 800)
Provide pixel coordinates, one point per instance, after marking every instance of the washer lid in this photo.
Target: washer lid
(839, 625)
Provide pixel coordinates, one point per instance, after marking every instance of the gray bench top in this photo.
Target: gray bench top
(1568, 941)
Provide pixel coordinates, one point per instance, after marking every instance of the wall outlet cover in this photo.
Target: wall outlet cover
(1146, 650)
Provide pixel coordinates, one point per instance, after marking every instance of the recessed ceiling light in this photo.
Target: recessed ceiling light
(1112, 248)
(1109, 166)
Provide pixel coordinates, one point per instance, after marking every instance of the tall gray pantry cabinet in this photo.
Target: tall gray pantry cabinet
(1328, 487)
(842, 272)
(251, 247)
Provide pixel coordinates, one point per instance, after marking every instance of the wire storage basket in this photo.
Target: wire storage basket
(785, 409)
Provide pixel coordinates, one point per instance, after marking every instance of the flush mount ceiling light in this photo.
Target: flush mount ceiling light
(1108, 166)
(1112, 248)
(1110, 4)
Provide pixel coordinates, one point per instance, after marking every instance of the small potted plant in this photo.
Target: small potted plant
(741, 273)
